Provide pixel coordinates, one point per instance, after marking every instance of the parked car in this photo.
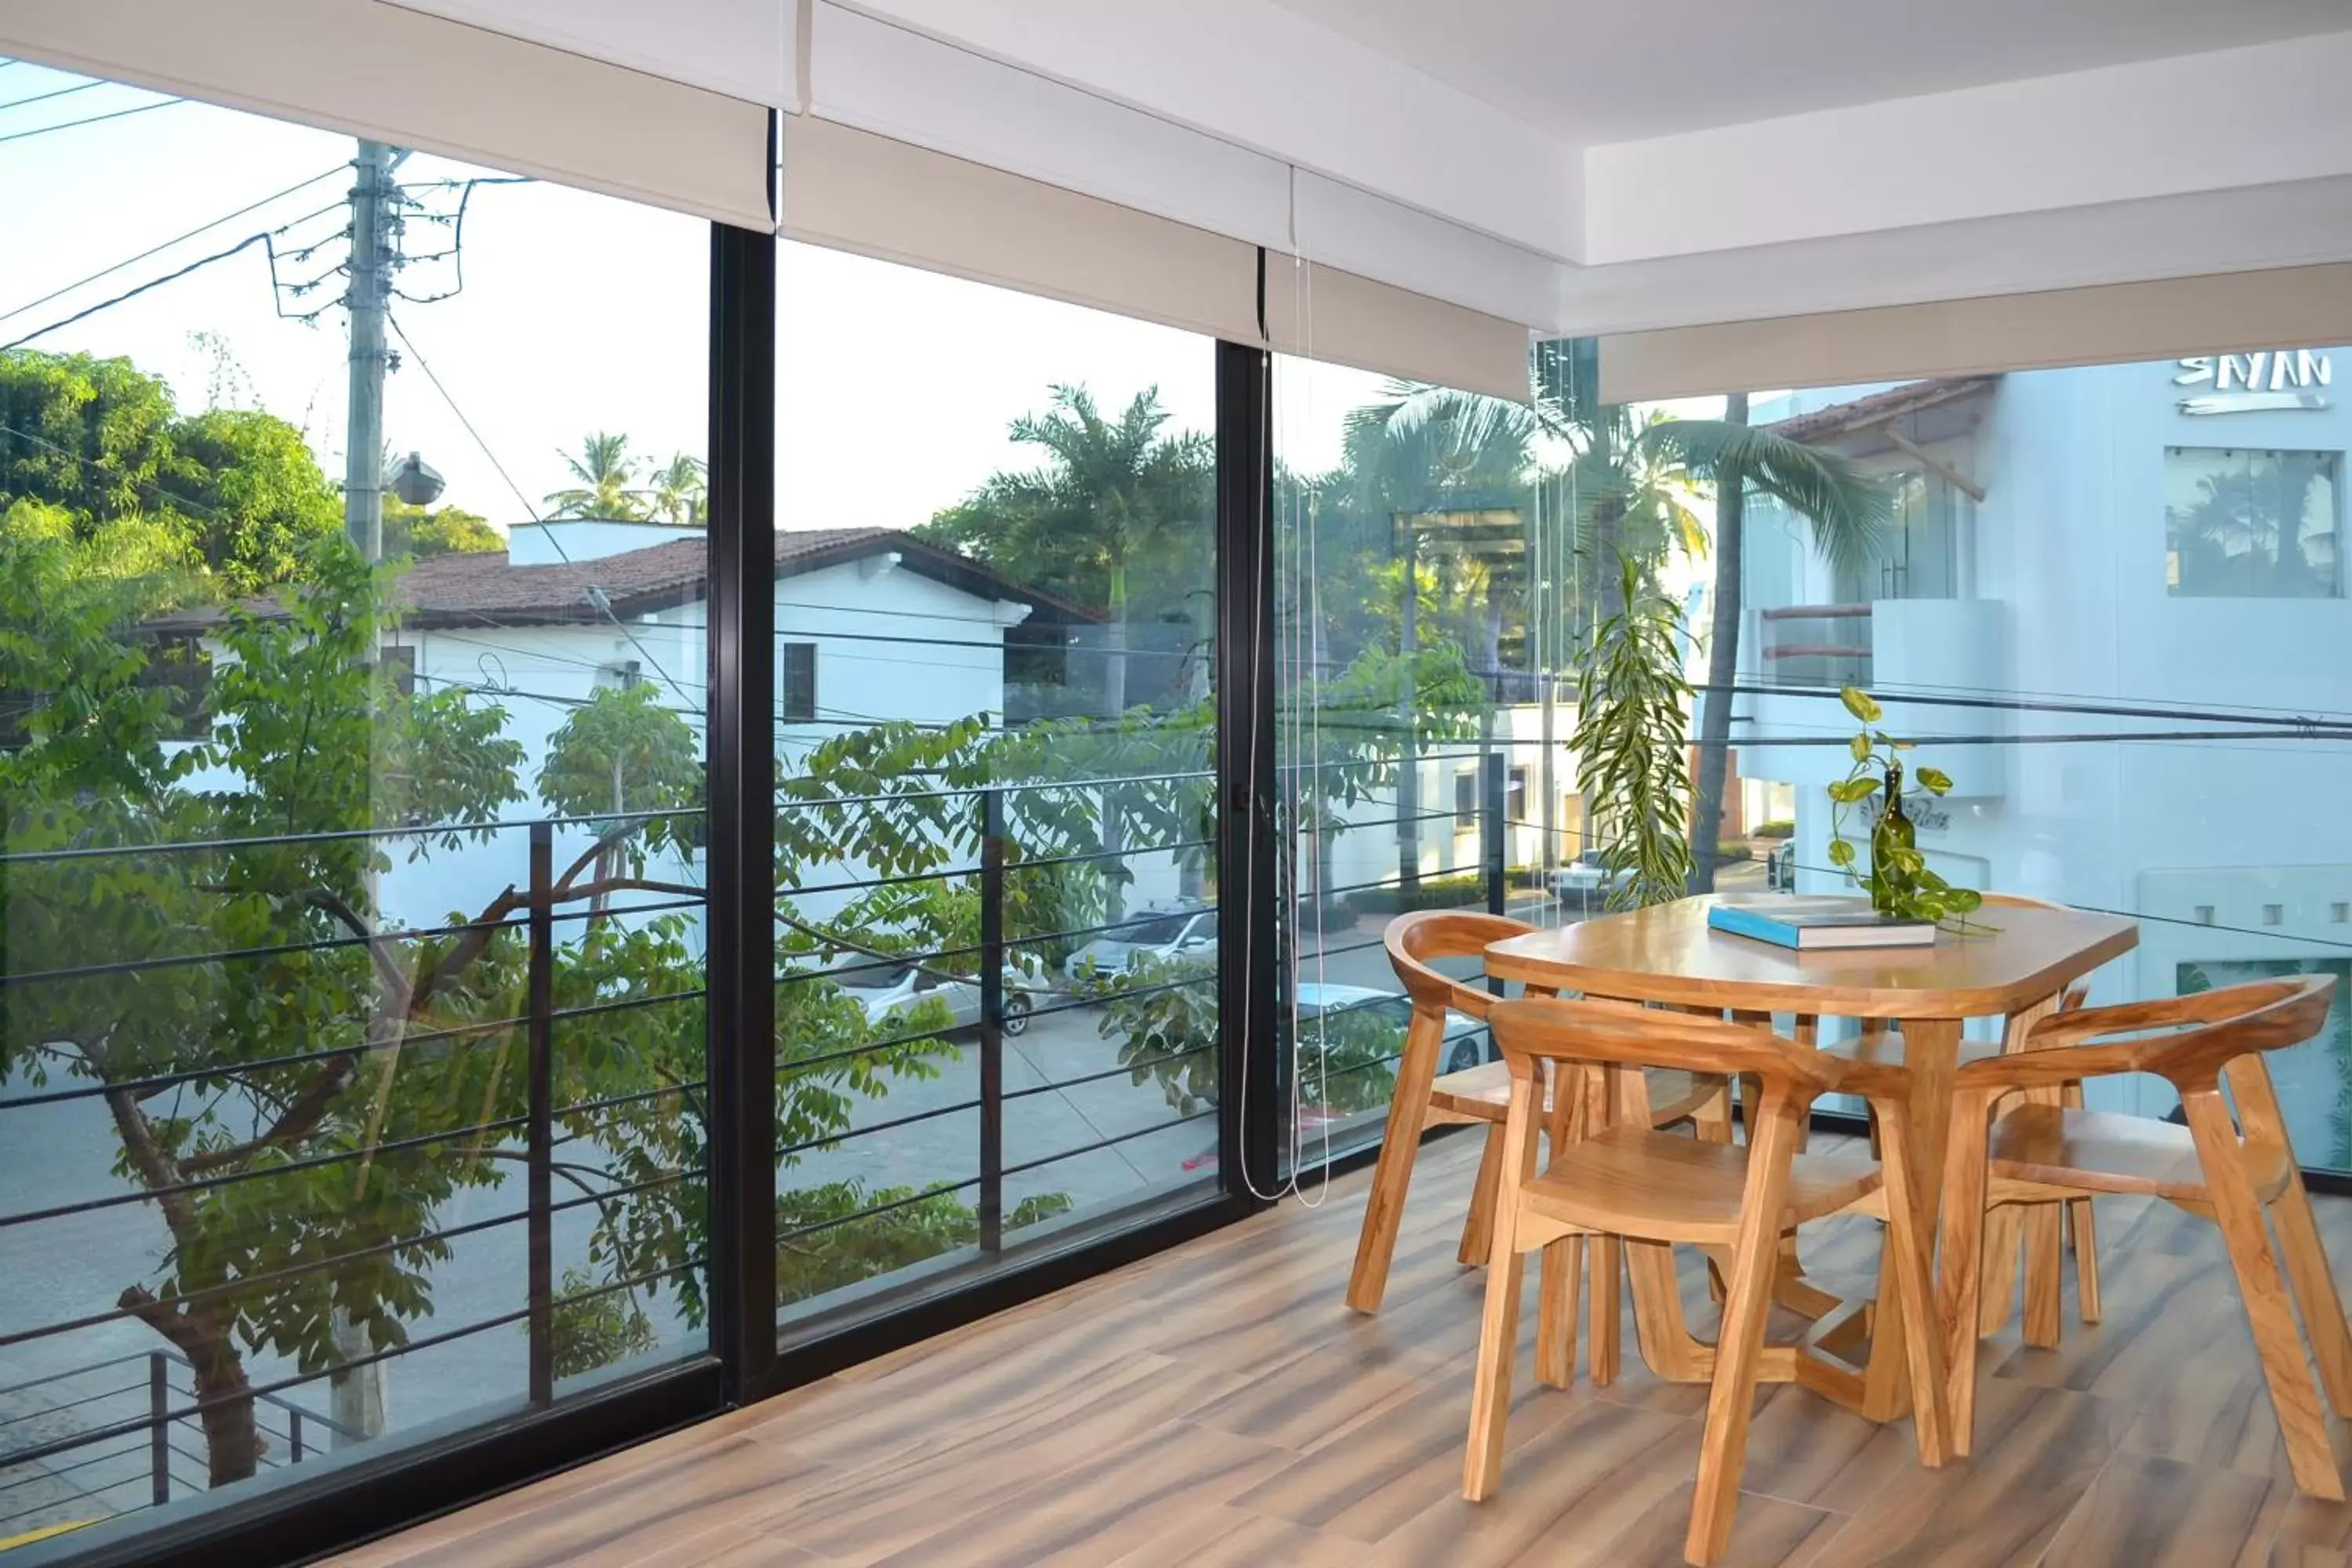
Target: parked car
(1781, 867)
(1154, 934)
(1467, 1041)
(895, 990)
(1586, 874)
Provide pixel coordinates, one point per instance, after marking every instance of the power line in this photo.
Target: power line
(93, 120)
(60, 92)
(245, 244)
(175, 239)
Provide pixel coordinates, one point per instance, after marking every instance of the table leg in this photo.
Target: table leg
(1931, 1050)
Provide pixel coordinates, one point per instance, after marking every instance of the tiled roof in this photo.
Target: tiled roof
(474, 588)
(1864, 413)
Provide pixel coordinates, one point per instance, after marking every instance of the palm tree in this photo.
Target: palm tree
(604, 471)
(1107, 494)
(681, 487)
(1849, 512)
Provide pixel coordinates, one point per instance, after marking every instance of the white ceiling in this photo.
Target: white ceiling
(1594, 71)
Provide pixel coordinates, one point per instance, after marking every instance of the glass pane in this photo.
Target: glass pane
(1427, 581)
(1002, 596)
(2136, 678)
(351, 798)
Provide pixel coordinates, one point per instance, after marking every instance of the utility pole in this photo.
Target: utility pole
(357, 1393)
(374, 256)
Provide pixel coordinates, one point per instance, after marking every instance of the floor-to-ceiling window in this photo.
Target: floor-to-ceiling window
(352, 717)
(2133, 671)
(995, 908)
(1422, 552)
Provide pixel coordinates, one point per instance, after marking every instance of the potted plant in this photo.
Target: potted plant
(1897, 877)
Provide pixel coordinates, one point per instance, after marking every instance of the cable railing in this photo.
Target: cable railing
(103, 1449)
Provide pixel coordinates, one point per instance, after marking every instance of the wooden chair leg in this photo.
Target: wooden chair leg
(1608, 1308)
(1740, 1349)
(1392, 1176)
(2269, 1315)
(2044, 1273)
(1556, 1296)
(1997, 1258)
(1962, 1279)
(1478, 1225)
(2316, 1292)
(2082, 1233)
(1498, 1329)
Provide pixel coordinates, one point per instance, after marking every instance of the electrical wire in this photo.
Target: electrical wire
(597, 597)
(248, 243)
(60, 92)
(93, 120)
(175, 239)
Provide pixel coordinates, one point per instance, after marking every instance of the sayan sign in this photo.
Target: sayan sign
(2256, 383)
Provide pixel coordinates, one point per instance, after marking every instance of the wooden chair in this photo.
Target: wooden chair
(1651, 1190)
(2037, 1153)
(1481, 1094)
(2044, 1230)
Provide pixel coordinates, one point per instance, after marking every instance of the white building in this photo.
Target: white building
(2080, 554)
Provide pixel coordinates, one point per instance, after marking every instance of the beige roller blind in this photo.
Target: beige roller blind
(2233, 311)
(1322, 313)
(400, 75)
(857, 191)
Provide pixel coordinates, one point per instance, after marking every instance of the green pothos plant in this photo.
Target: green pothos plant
(1897, 877)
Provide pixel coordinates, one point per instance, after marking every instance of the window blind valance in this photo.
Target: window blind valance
(393, 74)
(2119, 322)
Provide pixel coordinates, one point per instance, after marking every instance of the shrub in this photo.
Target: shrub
(1778, 827)
(1732, 849)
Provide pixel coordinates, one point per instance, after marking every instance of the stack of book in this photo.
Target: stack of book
(1810, 923)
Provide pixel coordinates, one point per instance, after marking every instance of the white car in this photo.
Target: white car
(1161, 934)
(1586, 874)
(888, 990)
(1466, 1040)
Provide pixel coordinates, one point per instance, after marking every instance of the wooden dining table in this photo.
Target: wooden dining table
(2016, 962)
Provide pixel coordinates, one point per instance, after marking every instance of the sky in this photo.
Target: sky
(578, 312)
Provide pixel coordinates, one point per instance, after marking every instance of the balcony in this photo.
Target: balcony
(1891, 647)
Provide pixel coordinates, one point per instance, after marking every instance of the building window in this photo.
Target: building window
(1466, 801)
(800, 682)
(1515, 801)
(2242, 523)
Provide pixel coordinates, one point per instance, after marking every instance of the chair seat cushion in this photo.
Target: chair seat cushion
(1665, 1187)
(2101, 1152)
(1484, 1093)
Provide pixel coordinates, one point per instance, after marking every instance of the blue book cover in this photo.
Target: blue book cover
(1808, 923)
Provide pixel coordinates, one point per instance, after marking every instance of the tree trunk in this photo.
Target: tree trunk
(1722, 667)
(1114, 705)
(1408, 800)
(232, 1440)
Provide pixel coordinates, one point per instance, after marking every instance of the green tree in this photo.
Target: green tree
(236, 492)
(1119, 516)
(420, 532)
(1848, 511)
(607, 476)
(681, 491)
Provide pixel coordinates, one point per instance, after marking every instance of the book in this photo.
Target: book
(1811, 924)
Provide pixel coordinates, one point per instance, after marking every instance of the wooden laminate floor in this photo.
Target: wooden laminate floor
(1218, 1404)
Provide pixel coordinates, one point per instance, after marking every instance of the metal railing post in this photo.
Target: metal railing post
(991, 1020)
(294, 1434)
(540, 1009)
(1492, 840)
(159, 1430)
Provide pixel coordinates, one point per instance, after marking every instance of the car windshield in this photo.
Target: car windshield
(1152, 932)
(871, 976)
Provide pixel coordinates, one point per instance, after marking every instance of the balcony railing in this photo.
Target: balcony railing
(1816, 644)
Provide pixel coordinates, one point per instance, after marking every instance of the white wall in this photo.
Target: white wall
(2070, 544)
